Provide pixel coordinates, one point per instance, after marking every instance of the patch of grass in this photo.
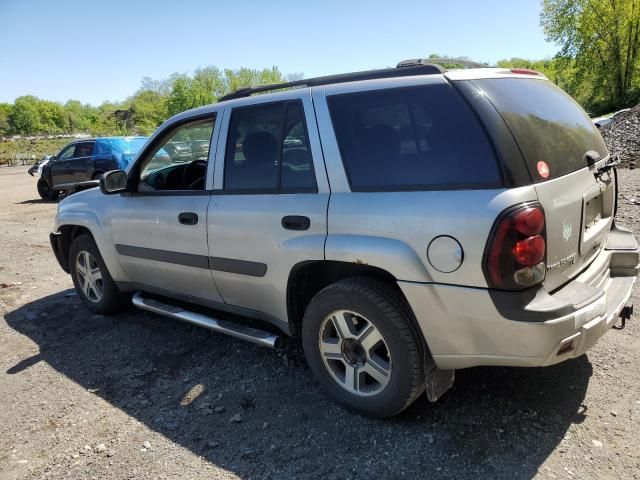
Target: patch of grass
(37, 148)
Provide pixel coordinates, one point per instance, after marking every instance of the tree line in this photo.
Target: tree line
(598, 61)
(141, 113)
(597, 64)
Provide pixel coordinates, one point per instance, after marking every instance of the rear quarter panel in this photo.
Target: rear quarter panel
(392, 230)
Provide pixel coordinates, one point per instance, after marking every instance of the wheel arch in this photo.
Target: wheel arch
(70, 227)
(67, 234)
(306, 279)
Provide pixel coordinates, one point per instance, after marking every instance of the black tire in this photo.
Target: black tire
(110, 300)
(46, 192)
(383, 306)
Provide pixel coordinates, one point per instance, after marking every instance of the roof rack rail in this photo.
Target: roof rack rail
(407, 71)
(440, 61)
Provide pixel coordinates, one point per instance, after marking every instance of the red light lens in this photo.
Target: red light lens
(524, 71)
(529, 251)
(529, 221)
(516, 251)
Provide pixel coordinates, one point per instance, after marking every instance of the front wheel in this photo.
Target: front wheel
(92, 280)
(360, 343)
(46, 192)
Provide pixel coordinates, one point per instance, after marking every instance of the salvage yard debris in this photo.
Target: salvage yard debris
(622, 137)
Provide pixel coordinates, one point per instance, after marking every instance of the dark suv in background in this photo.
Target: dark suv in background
(85, 161)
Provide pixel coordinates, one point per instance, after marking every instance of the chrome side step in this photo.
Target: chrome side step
(243, 332)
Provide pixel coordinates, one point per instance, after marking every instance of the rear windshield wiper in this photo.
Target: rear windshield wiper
(609, 164)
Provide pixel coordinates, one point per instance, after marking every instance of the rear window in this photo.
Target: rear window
(548, 124)
(412, 139)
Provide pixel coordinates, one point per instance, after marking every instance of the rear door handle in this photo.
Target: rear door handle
(188, 218)
(296, 222)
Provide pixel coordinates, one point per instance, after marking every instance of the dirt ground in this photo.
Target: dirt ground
(142, 396)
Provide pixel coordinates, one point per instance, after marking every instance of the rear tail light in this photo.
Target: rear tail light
(516, 251)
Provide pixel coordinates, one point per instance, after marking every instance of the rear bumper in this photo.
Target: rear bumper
(467, 327)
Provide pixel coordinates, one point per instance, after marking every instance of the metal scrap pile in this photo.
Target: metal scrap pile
(622, 137)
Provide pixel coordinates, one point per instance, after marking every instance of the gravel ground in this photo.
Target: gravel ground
(141, 396)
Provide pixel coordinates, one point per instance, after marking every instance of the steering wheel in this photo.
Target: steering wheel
(191, 176)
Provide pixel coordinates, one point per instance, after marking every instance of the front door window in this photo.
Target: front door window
(179, 161)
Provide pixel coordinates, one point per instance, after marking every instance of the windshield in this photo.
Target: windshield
(552, 130)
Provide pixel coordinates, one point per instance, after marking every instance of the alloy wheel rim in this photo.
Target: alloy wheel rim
(89, 276)
(355, 353)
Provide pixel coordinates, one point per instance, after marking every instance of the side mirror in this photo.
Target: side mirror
(114, 181)
(53, 158)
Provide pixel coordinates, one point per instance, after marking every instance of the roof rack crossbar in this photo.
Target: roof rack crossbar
(408, 71)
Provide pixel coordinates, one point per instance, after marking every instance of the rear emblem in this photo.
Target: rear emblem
(543, 169)
(566, 230)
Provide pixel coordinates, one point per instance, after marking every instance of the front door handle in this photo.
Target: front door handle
(188, 218)
(296, 222)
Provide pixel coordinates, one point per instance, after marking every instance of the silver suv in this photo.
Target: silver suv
(403, 222)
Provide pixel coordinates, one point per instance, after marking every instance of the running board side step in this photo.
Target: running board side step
(243, 332)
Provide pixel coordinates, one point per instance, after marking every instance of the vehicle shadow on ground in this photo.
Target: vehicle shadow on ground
(495, 422)
(35, 201)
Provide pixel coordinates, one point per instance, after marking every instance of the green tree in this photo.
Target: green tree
(104, 120)
(78, 117)
(24, 117)
(51, 117)
(209, 84)
(603, 37)
(180, 98)
(5, 113)
(149, 110)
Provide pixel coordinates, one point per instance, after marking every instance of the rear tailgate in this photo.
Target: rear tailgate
(554, 135)
(579, 212)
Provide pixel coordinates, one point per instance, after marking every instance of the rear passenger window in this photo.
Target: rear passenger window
(268, 150)
(84, 149)
(102, 148)
(412, 139)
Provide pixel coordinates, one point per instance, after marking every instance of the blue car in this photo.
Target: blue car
(83, 162)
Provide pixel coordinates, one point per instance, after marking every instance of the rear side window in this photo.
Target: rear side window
(84, 149)
(412, 139)
(103, 147)
(548, 124)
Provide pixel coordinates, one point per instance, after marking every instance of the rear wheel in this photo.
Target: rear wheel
(45, 191)
(359, 342)
(92, 280)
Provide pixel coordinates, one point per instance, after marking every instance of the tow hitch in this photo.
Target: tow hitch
(625, 314)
